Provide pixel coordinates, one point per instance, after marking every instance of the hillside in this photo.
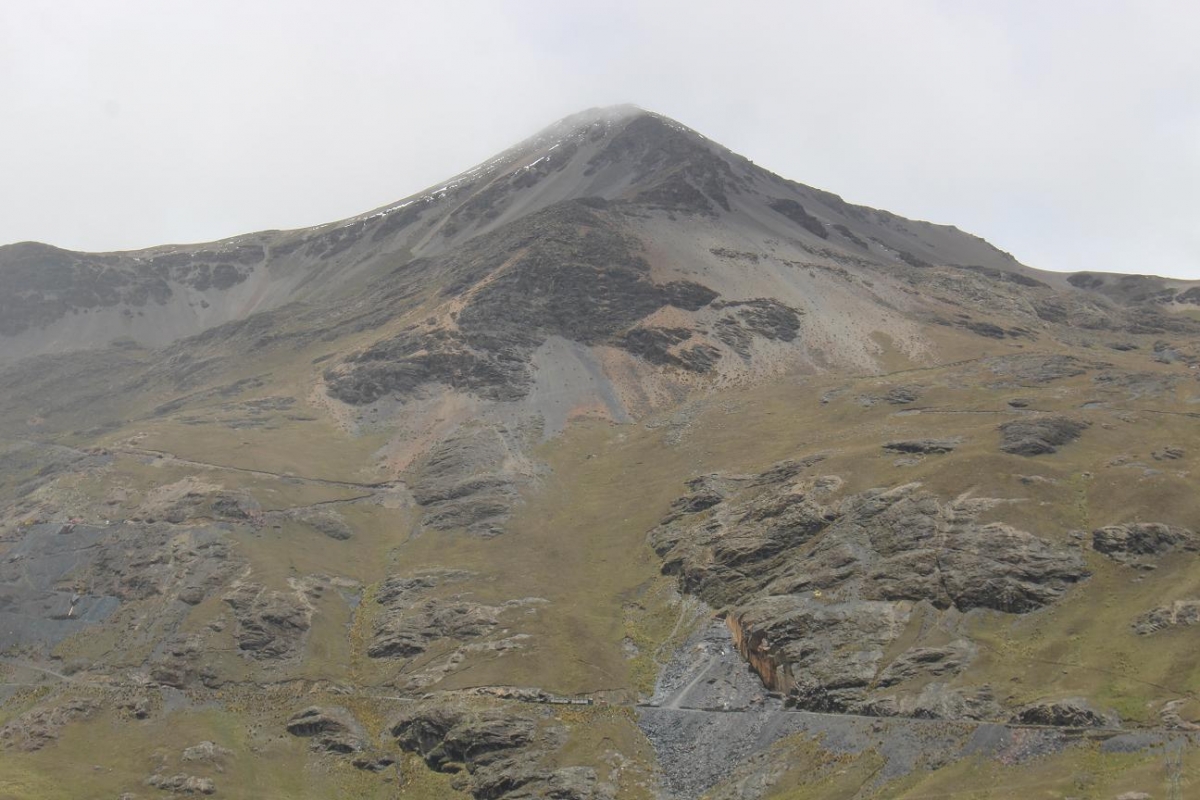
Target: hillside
(615, 466)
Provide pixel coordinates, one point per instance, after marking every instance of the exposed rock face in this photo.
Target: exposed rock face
(468, 480)
(659, 346)
(178, 665)
(1181, 613)
(332, 729)
(1070, 713)
(413, 621)
(409, 632)
(40, 284)
(1035, 370)
(61, 578)
(326, 521)
(936, 661)
(1122, 542)
(206, 751)
(497, 754)
(1039, 436)
(270, 624)
(182, 784)
(40, 726)
(902, 395)
(1168, 453)
(923, 446)
(817, 590)
(764, 317)
(567, 271)
(796, 213)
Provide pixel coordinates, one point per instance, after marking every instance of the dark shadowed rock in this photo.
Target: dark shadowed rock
(499, 755)
(1121, 542)
(467, 481)
(409, 632)
(818, 591)
(1069, 713)
(42, 725)
(182, 783)
(1181, 613)
(1035, 370)
(1040, 435)
(332, 729)
(270, 624)
(796, 213)
(923, 446)
(902, 395)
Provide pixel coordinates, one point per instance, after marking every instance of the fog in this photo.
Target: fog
(1067, 133)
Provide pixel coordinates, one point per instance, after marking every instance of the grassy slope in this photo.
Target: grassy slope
(578, 541)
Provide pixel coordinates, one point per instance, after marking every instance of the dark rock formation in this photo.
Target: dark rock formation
(923, 446)
(762, 317)
(1035, 370)
(182, 783)
(270, 624)
(1039, 435)
(1168, 453)
(41, 726)
(796, 213)
(566, 271)
(497, 754)
(1121, 542)
(657, 345)
(466, 481)
(40, 284)
(206, 751)
(408, 632)
(1181, 613)
(817, 591)
(332, 729)
(902, 395)
(1070, 713)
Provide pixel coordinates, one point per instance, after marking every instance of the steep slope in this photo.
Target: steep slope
(613, 467)
(56, 301)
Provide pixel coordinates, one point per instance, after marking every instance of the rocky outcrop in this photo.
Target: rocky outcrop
(40, 284)
(412, 621)
(41, 726)
(796, 213)
(1034, 370)
(410, 632)
(179, 664)
(270, 624)
(941, 662)
(182, 783)
(923, 446)
(567, 271)
(331, 729)
(1168, 453)
(497, 755)
(468, 480)
(206, 751)
(817, 589)
(1181, 613)
(660, 346)
(761, 317)
(1039, 435)
(1069, 713)
(1128, 541)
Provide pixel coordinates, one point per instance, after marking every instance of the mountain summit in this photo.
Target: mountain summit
(613, 467)
(52, 300)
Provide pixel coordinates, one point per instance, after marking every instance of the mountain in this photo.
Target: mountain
(615, 466)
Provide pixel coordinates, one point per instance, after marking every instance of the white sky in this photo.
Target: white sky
(1067, 132)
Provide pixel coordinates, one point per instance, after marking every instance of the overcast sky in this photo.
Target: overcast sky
(1065, 132)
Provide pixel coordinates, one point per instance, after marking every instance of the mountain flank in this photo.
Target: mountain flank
(613, 467)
